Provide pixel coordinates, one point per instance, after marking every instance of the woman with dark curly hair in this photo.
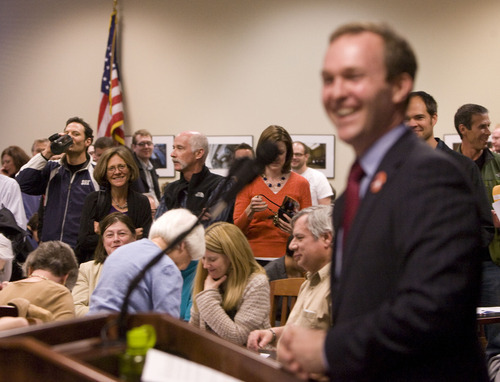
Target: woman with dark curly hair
(115, 172)
(13, 158)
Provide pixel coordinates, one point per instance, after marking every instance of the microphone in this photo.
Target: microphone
(496, 193)
(244, 171)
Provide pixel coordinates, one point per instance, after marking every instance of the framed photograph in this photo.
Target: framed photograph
(453, 141)
(221, 151)
(322, 152)
(161, 154)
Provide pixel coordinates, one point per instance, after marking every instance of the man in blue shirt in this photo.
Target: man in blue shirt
(160, 288)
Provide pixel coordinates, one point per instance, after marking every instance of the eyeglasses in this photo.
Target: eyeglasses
(298, 155)
(144, 144)
(120, 167)
(120, 234)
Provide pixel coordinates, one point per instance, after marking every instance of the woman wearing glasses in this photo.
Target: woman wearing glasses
(115, 172)
(117, 230)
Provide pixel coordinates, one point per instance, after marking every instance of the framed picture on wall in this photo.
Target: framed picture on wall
(161, 154)
(322, 156)
(453, 141)
(221, 151)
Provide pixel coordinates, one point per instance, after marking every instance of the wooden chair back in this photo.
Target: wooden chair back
(287, 290)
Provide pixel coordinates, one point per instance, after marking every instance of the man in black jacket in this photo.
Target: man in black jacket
(197, 185)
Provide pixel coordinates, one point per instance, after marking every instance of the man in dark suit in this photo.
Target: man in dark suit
(405, 281)
(142, 146)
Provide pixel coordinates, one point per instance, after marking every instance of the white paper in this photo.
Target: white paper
(488, 309)
(165, 367)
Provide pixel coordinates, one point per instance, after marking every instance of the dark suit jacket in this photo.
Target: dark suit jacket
(141, 183)
(404, 303)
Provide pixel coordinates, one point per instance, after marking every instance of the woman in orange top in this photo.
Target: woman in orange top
(256, 206)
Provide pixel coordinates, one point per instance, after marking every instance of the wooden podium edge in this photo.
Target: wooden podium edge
(73, 345)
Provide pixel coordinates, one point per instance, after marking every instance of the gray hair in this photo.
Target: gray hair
(199, 141)
(319, 219)
(56, 257)
(174, 222)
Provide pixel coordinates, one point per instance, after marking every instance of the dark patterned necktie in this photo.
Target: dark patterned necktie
(351, 198)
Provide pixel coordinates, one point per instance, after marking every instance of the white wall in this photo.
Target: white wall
(226, 67)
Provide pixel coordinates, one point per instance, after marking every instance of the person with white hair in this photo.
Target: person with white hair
(160, 288)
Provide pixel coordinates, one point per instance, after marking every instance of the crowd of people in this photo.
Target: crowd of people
(393, 273)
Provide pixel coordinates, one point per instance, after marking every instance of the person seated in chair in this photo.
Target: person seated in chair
(284, 267)
(230, 290)
(51, 272)
(312, 247)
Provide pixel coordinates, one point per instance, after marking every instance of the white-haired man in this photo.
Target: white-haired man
(160, 289)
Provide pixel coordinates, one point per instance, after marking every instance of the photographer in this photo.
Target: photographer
(65, 182)
(263, 209)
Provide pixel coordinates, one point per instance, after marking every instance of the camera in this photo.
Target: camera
(59, 143)
(288, 208)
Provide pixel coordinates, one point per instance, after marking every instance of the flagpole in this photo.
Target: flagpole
(110, 117)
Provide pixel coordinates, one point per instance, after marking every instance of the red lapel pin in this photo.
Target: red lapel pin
(378, 181)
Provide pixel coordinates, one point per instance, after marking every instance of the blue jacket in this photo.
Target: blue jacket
(64, 194)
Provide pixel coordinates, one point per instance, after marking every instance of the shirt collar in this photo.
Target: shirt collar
(371, 160)
(316, 277)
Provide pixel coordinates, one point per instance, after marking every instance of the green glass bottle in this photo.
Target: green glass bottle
(139, 341)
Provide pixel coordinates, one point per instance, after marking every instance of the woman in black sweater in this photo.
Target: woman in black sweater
(115, 172)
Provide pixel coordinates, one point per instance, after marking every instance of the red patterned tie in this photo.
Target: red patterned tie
(351, 198)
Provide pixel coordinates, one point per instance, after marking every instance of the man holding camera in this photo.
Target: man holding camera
(65, 182)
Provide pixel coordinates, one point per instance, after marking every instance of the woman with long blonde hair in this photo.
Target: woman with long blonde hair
(230, 289)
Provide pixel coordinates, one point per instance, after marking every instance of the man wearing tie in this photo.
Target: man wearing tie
(405, 281)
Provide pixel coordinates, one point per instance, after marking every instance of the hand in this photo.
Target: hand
(97, 230)
(258, 339)
(210, 283)
(257, 204)
(496, 221)
(138, 233)
(47, 153)
(3, 284)
(300, 350)
(205, 215)
(3, 171)
(285, 225)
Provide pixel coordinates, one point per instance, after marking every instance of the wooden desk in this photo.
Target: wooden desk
(74, 351)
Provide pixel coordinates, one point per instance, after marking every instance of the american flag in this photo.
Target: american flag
(110, 122)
